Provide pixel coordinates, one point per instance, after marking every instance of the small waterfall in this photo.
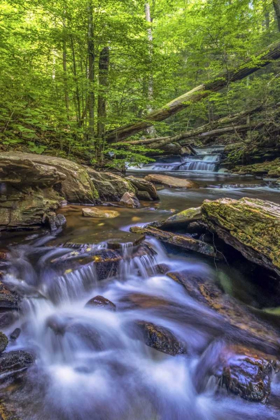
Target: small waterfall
(205, 160)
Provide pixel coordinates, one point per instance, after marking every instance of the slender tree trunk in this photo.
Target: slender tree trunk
(77, 90)
(150, 130)
(65, 75)
(276, 5)
(104, 61)
(250, 66)
(91, 60)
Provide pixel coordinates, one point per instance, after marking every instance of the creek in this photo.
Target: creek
(89, 365)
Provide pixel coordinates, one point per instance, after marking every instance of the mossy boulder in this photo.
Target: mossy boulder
(252, 226)
(3, 342)
(185, 217)
(110, 187)
(267, 168)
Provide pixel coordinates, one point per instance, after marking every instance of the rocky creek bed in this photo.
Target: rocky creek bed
(169, 309)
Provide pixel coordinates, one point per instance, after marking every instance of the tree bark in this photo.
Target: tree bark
(200, 92)
(276, 5)
(91, 59)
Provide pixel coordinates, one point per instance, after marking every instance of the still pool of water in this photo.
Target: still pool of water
(88, 364)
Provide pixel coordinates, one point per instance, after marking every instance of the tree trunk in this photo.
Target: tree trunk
(65, 76)
(150, 130)
(77, 90)
(276, 5)
(91, 59)
(200, 92)
(104, 61)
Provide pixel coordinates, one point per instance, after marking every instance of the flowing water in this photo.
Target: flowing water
(89, 362)
(205, 160)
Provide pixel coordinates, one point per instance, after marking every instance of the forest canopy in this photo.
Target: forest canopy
(74, 70)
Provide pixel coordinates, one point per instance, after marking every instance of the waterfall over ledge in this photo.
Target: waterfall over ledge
(205, 160)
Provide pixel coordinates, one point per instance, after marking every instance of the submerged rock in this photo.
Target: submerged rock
(252, 226)
(171, 181)
(100, 213)
(160, 338)
(130, 200)
(15, 334)
(101, 302)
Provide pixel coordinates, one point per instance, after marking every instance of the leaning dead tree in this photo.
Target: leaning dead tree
(200, 92)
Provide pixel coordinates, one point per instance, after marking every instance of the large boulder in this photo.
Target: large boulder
(170, 181)
(251, 226)
(32, 187)
(29, 170)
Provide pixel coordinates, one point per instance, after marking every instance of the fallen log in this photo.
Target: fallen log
(229, 119)
(183, 241)
(200, 92)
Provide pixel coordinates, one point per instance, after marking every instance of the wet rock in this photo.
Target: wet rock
(251, 226)
(238, 321)
(101, 302)
(160, 338)
(170, 181)
(184, 218)
(100, 213)
(110, 187)
(130, 200)
(145, 189)
(7, 318)
(247, 373)
(55, 221)
(58, 324)
(15, 360)
(3, 342)
(8, 298)
(15, 334)
(183, 241)
(115, 239)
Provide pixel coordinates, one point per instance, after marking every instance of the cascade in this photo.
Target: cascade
(205, 160)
